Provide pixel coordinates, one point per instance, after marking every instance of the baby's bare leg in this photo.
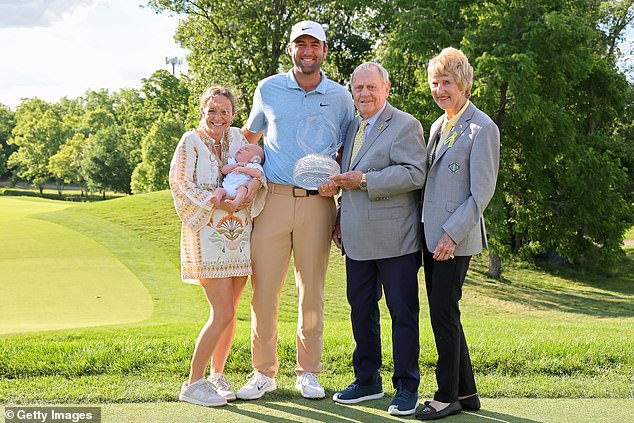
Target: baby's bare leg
(241, 192)
(218, 195)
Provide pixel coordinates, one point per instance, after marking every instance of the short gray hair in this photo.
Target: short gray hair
(372, 66)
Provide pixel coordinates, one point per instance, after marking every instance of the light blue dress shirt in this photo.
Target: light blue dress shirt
(371, 121)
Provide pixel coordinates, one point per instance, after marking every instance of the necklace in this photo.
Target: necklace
(209, 140)
(218, 148)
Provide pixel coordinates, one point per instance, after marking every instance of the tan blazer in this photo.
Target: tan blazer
(461, 181)
(384, 221)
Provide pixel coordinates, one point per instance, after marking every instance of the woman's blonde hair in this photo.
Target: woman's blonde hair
(215, 90)
(454, 62)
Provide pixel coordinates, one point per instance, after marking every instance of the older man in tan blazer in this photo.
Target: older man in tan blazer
(384, 166)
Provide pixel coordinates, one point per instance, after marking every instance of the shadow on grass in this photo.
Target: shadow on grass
(590, 294)
(293, 410)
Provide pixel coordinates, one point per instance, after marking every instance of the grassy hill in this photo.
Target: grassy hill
(48, 271)
(532, 334)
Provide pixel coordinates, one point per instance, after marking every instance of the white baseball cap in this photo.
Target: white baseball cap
(307, 28)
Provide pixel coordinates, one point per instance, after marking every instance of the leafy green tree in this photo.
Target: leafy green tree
(545, 72)
(135, 116)
(97, 119)
(416, 31)
(157, 150)
(71, 111)
(100, 99)
(37, 135)
(546, 79)
(128, 112)
(236, 43)
(166, 93)
(65, 165)
(614, 17)
(3, 160)
(105, 165)
(353, 27)
(623, 147)
(7, 123)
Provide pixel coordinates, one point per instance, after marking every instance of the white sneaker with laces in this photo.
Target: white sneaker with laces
(308, 385)
(258, 384)
(221, 385)
(201, 393)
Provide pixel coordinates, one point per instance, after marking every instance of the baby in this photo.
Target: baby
(246, 165)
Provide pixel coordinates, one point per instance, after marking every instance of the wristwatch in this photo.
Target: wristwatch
(363, 185)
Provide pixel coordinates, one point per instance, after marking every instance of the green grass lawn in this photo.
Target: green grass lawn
(48, 273)
(533, 334)
(630, 233)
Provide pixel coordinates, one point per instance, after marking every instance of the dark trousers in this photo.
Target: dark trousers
(398, 277)
(444, 280)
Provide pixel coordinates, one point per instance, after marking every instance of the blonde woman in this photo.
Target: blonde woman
(463, 156)
(215, 239)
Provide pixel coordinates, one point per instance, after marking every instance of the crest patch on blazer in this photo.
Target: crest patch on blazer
(453, 167)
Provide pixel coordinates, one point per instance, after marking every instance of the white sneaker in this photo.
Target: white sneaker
(221, 385)
(201, 393)
(308, 385)
(258, 384)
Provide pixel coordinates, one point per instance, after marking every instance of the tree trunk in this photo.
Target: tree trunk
(495, 261)
(501, 112)
(495, 266)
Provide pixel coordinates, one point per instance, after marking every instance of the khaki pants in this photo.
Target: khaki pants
(303, 226)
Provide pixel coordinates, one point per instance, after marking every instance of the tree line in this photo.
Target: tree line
(102, 141)
(547, 71)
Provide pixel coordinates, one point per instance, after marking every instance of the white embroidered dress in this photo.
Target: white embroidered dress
(214, 243)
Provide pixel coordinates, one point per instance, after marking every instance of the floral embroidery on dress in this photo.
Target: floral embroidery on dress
(229, 231)
(214, 243)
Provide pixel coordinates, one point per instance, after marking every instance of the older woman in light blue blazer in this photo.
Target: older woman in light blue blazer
(463, 155)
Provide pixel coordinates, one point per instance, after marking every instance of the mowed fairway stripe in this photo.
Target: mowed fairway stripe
(52, 277)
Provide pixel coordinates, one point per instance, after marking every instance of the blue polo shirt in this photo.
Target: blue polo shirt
(297, 123)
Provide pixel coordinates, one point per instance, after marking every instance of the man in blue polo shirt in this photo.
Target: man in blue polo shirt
(299, 113)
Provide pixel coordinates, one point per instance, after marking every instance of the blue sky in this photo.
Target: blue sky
(56, 48)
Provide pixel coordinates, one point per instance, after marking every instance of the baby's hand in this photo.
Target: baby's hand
(226, 169)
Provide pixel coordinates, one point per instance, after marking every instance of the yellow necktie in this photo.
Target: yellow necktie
(358, 140)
